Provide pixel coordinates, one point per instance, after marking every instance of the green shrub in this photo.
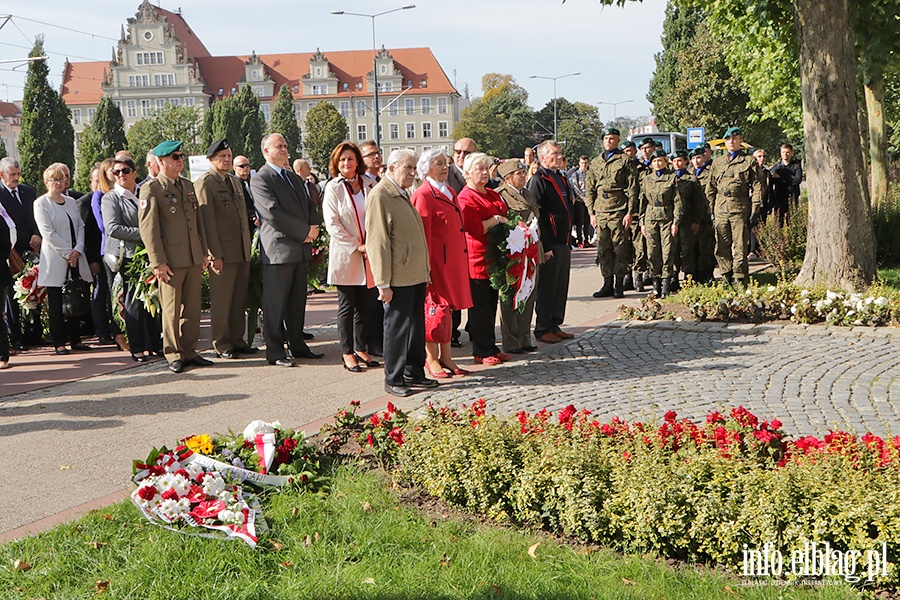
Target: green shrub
(784, 245)
(886, 221)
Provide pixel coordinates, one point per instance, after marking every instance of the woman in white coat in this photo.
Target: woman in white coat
(344, 213)
(59, 224)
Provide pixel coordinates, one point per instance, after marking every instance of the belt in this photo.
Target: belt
(728, 195)
(618, 194)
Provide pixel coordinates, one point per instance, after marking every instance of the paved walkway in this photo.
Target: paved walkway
(69, 447)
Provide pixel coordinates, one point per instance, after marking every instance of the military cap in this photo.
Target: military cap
(610, 131)
(658, 154)
(217, 147)
(626, 144)
(732, 131)
(678, 153)
(510, 166)
(698, 151)
(706, 146)
(166, 148)
(647, 141)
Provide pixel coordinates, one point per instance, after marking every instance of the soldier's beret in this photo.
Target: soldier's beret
(698, 151)
(610, 131)
(647, 141)
(510, 166)
(732, 131)
(166, 148)
(626, 144)
(217, 147)
(678, 153)
(658, 154)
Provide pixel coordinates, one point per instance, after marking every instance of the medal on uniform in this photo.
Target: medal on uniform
(172, 210)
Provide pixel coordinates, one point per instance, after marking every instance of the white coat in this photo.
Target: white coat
(56, 242)
(346, 265)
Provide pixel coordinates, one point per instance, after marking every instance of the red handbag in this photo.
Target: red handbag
(438, 319)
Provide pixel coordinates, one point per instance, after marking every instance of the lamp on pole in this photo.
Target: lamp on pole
(614, 105)
(554, 94)
(374, 58)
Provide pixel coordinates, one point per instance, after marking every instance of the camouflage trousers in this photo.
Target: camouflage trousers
(733, 243)
(639, 247)
(660, 248)
(613, 245)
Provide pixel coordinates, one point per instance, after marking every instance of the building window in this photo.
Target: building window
(131, 106)
(265, 111)
(380, 106)
(410, 106)
(258, 90)
(443, 129)
(410, 131)
(160, 103)
(393, 109)
(76, 116)
(138, 81)
(175, 101)
(146, 105)
(395, 131)
(319, 89)
(442, 106)
(345, 109)
(164, 79)
(385, 86)
(91, 113)
(362, 132)
(426, 131)
(309, 106)
(426, 106)
(360, 108)
(150, 58)
(188, 101)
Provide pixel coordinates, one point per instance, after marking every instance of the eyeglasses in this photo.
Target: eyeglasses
(242, 166)
(371, 154)
(56, 180)
(176, 156)
(463, 152)
(123, 171)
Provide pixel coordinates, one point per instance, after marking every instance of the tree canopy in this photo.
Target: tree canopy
(501, 122)
(168, 123)
(239, 120)
(578, 127)
(325, 129)
(284, 121)
(101, 139)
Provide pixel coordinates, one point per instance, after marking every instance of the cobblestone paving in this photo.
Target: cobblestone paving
(811, 378)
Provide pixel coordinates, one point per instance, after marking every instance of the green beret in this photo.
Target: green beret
(217, 146)
(732, 131)
(678, 153)
(698, 151)
(166, 148)
(626, 144)
(658, 154)
(510, 166)
(610, 131)
(647, 141)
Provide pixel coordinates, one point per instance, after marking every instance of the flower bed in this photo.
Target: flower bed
(695, 491)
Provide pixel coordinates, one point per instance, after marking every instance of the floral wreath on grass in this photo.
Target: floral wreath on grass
(26, 290)
(512, 259)
(142, 280)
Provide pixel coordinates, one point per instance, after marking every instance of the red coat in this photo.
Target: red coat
(477, 207)
(446, 240)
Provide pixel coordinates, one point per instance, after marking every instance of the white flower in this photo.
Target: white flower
(515, 241)
(772, 288)
(193, 469)
(172, 509)
(171, 481)
(257, 427)
(804, 293)
(881, 301)
(832, 295)
(213, 485)
(793, 310)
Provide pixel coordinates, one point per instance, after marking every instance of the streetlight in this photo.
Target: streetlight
(614, 105)
(375, 57)
(554, 94)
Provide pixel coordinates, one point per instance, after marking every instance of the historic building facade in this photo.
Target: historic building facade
(159, 60)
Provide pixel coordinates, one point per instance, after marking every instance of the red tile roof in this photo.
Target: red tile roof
(183, 32)
(81, 82)
(8, 109)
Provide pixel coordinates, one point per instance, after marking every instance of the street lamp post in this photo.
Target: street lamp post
(614, 105)
(374, 58)
(555, 137)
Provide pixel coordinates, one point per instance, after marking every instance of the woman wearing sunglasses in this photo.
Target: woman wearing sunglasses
(119, 208)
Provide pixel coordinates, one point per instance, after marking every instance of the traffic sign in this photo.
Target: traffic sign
(696, 136)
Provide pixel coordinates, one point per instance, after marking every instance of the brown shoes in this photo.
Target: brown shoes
(563, 335)
(549, 338)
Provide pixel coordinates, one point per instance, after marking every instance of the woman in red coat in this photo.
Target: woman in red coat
(449, 286)
(482, 209)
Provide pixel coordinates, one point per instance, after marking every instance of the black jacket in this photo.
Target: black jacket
(22, 215)
(555, 198)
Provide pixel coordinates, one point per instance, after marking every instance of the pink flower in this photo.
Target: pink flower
(715, 417)
(397, 435)
(208, 509)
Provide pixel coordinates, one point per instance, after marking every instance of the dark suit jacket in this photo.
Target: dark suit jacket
(285, 215)
(456, 179)
(91, 228)
(5, 275)
(22, 215)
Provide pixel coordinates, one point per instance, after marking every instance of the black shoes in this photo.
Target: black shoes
(140, 358)
(199, 361)
(455, 344)
(308, 354)
(352, 368)
(628, 282)
(308, 336)
(517, 351)
(282, 362)
(228, 354)
(420, 382)
(176, 366)
(619, 287)
(607, 290)
(368, 363)
(105, 340)
(62, 350)
(398, 390)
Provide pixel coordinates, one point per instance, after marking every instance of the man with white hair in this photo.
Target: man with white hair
(398, 255)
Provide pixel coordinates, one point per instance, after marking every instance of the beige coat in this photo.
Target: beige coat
(346, 265)
(224, 216)
(170, 222)
(395, 237)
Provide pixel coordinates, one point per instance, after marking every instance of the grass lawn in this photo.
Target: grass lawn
(357, 541)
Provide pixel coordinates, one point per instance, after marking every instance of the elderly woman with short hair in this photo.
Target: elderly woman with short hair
(482, 209)
(449, 286)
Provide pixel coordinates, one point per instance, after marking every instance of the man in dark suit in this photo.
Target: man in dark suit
(241, 165)
(461, 149)
(286, 232)
(18, 200)
(5, 284)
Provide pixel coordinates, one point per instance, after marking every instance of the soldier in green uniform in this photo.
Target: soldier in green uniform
(661, 214)
(639, 243)
(734, 191)
(706, 237)
(696, 211)
(611, 194)
(224, 213)
(172, 230)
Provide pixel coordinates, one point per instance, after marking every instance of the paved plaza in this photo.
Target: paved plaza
(69, 447)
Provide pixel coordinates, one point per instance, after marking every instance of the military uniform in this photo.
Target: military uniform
(734, 192)
(706, 237)
(638, 241)
(611, 192)
(696, 211)
(172, 230)
(661, 207)
(224, 213)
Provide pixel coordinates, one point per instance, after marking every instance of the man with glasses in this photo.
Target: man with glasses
(373, 159)
(461, 149)
(242, 170)
(173, 232)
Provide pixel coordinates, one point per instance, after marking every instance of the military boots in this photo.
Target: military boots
(657, 286)
(628, 283)
(619, 286)
(639, 282)
(607, 290)
(665, 285)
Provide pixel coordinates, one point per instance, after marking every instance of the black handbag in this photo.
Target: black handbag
(76, 292)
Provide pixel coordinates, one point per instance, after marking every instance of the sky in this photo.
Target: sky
(611, 47)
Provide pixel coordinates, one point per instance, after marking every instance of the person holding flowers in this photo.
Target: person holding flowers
(449, 288)
(482, 208)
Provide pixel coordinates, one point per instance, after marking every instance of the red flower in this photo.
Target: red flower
(397, 436)
(196, 494)
(208, 509)
(744, 417)
(715, 417)
(304, 477)
(764, 436)
(369, 440)
(183, 473)
(565, 415)
(775, 424)
(671, 416)
(157, 470)
(148, 492)
(390, 408)
(289, 444)
(170, 494)
(375, 421)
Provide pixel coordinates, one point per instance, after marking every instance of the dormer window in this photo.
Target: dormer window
(424, 83)
(346, 86)
(359, 86)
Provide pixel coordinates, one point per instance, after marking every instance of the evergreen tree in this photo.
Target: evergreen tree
(252, 126)
(47, 135)
(100, 140)
(325, 129)
(3, 153)
(284, 121)
(168, 123)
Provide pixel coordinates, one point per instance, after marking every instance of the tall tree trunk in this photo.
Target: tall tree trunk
(840, 245)
(878, 147)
